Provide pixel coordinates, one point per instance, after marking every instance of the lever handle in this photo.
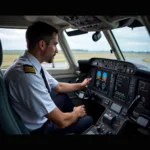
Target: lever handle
(132, 106)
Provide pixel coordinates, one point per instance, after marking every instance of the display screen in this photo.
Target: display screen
(115, 107)
(144, 92)
(121, 87)
(102, 81)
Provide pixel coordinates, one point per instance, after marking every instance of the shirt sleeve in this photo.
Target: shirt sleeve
(51, 81)
(33, 93)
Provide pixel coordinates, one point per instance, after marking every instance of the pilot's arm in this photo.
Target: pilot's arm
(36, 99)
(62, 87)
(70, 87)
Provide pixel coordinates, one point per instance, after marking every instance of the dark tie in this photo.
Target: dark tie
(44, 78)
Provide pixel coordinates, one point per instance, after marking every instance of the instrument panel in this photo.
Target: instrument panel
(123, 88)
(119, 81)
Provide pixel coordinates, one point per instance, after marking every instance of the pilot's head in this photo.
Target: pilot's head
(42, 39)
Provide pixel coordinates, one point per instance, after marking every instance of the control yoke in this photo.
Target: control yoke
(84, 93)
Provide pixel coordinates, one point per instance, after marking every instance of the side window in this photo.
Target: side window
(14, 45)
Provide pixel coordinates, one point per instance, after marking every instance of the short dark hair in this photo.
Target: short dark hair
(39, 31)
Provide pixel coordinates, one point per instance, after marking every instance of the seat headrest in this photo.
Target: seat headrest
(1, 53)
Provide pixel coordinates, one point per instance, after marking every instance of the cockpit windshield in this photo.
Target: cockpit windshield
(83, 47)
(134, 44)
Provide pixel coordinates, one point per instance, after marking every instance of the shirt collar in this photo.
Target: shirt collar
(33, 60)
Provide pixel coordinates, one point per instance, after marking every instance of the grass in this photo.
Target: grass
(9, 57)
(146, 60)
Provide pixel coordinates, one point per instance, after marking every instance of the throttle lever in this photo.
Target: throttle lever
(132, 106)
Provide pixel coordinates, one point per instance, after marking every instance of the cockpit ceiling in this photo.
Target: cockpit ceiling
(98, 23)
(85, 23)
(25, 21)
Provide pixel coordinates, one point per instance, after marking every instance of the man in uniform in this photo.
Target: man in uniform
(29, 86)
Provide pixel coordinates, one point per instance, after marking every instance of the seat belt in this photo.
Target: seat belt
(44, 78)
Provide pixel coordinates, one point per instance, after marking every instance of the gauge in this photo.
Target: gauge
(97, 83)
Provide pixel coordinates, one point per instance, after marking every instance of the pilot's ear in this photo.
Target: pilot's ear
(42, 44)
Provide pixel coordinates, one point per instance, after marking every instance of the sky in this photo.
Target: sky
(128, 40)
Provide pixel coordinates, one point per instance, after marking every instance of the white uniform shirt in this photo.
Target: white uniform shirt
(28, 93)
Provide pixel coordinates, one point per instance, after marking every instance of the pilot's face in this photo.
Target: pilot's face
(51, 49)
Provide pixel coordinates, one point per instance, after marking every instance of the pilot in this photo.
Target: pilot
(29, 86)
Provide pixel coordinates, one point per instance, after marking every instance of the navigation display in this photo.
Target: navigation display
(102, 81)
(121, 87)
(144, 92)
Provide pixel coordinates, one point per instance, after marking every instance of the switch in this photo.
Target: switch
(124, 112)
(109, 133)
(99, 129)
(106, 101)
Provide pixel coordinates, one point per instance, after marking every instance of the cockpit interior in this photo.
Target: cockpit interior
(118, 96)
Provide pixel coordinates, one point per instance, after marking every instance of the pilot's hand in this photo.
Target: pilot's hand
(86, 81)
(80, 110)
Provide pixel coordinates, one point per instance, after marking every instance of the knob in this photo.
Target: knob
(94, 96)
(98, 128)
(109, 133)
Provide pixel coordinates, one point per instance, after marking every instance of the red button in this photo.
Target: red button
(109, 115)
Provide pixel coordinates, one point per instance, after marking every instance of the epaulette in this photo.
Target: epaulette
(28, 69)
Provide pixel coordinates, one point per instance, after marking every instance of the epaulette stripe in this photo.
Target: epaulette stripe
(28, 69)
